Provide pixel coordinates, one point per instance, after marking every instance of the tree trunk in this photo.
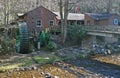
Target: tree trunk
(64, 19)
(109, 4)
(6, 17)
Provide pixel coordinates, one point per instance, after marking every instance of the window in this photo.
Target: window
(51, 22)
(115, 21)
(38, 23)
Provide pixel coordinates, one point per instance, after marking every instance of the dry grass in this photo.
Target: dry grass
(112, 59)
(54, 71)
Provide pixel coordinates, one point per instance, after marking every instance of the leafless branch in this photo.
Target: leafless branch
(73, 4)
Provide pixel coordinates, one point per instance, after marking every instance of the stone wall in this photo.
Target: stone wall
(93, 40)
(88, 40)
(111, 39)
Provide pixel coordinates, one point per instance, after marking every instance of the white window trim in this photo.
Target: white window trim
(53, 22)
(38, 25)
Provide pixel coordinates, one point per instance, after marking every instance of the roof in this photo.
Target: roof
(22, 14)
(99, 16)
(71, 16)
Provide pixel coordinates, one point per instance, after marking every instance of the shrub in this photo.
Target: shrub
(45, 37)
(42, 38)
(7, 46)
(48, 37)
(51, 45)
(76, 34)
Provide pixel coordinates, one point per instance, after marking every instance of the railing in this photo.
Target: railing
(102, 28)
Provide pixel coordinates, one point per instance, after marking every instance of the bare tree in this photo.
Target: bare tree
(64, 11)
(8, 13)
(5, 4)
(63, 14)
(109, 4)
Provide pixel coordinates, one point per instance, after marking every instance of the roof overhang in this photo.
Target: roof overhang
(71, 16)
(20, 14)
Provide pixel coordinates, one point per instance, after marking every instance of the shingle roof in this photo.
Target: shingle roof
(99, 16)
(22, 14)
(71, 16)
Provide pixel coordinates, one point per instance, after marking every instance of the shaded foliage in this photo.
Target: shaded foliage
(76, 34)
(7, 47)
(51, 45)
(46, 39)
(42, 38)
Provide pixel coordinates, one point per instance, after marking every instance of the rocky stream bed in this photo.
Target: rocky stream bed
(74, 66)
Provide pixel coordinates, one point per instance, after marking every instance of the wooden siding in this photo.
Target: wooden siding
(104, 22)
(101, 22)
(42, 14)
(112, 19)
(88, 20)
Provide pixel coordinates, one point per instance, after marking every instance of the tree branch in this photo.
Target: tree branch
(73, 4)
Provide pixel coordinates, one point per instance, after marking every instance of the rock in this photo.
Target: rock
(119, 46)
(19, 73)
(82, 68)
(109, 52)
(42, 73)
(22, 69)
(27, 68)
(32, 76)
(93, 46)
(118, 58)
(7, 73)
(48, 75)
(83, 50)
(33, 67)
(106, 77)
(105, 53)
(16, 69)
(55, 77)
(64, 67)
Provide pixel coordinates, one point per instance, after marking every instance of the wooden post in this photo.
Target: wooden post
(38, 45)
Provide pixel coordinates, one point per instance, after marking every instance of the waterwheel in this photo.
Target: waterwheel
(22, 39)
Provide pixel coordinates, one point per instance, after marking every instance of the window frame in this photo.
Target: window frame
(40, 21)
(52, 23)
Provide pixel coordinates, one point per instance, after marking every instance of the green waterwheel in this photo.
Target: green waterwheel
(22, 39)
